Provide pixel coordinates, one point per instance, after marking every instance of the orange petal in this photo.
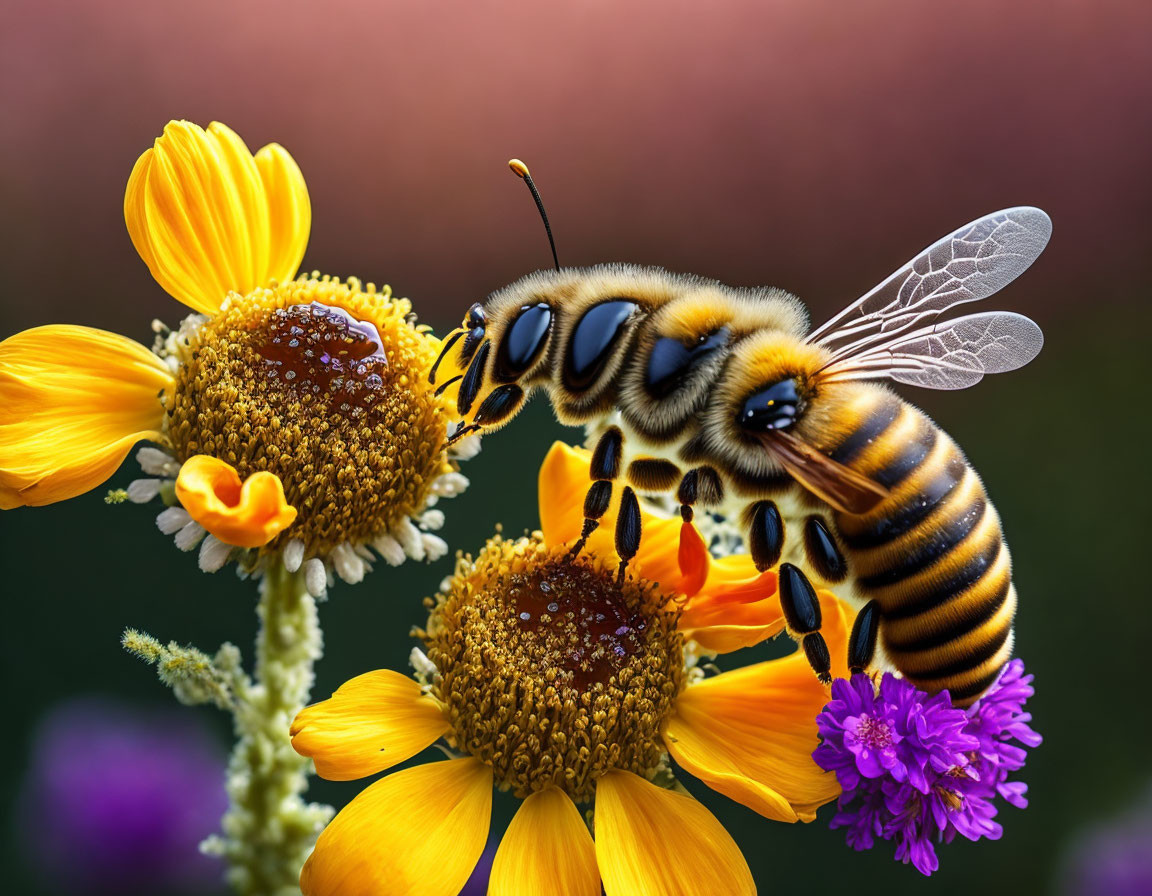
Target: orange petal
(370, 724)
(737, 607)
(416, 832)
(247, 515)
(693, 558)
(73, 402)
(656, 842)
(208, 217)
(546, 850)
(750, 733)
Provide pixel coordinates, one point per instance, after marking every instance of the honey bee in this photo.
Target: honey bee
(720, 397)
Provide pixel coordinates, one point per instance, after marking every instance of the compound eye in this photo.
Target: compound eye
(523, 341)
(771, 408)
(476, 317)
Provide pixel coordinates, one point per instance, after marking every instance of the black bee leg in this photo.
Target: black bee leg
(604, 468)
(701, 485)
(460, 433)
(766, 536)
(687, 494)
(823, 553)
(444, 385)
(802, 616)
(595, 506)
(627, 530)
(452, 339)
(862, 641)
(501, 403)
(473, 379)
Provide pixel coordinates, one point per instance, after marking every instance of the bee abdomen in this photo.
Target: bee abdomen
(932, 555)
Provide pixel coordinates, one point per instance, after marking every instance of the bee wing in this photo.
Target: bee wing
(968, 265)
(953, 354)
(833, 483)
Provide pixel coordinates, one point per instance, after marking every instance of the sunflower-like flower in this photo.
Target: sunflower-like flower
(290, 417)
(552, 677)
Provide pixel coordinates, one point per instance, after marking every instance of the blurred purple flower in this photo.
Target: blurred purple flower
(117, 801)
(918, 771)
(1113, 858)
(478, 883)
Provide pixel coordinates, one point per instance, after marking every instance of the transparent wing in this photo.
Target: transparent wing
(953, 354)
(966, 266)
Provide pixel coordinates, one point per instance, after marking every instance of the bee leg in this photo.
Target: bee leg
(687, 494)
(862, 641)
(473, 379)
(693, 552)
(627, 530)
(595, 506)
(604, 468)
(452, 339)
(440, 390)
(802, 616)
(822, 551)
(766, 536)
(700, 485)
(460, 432)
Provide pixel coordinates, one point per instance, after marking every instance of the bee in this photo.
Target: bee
(720, 398)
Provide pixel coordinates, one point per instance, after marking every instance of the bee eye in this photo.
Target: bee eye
(523, 340)
(773, 407)
(671, 361)
(476, 317)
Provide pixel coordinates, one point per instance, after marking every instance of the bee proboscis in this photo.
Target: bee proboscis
(718, 396)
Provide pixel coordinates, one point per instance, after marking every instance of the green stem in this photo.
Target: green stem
(268, 830)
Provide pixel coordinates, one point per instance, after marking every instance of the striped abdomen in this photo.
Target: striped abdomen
(932, 554)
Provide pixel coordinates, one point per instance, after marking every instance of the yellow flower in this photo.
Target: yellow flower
(291, 417)
(551, 678)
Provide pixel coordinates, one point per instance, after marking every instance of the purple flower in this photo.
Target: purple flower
(477, 884)
(916, 770)
(1113, 856)
(116, 801)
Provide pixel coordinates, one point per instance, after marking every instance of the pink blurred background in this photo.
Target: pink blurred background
(811, 145)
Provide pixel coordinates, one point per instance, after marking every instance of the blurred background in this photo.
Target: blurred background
(809, 145)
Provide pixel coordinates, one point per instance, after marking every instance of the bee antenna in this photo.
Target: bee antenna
(521, 171)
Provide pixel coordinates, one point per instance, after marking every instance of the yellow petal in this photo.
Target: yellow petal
(248, 514)
(750, 733)
(289, 210)
(656, 842)
(546, 850)
(417, 832)
(73, 402)
(209, 218)
(563, 482)
(370, 724)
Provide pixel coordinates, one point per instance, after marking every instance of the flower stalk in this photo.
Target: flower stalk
(268, 830)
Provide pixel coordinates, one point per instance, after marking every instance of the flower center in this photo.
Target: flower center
(318, 349)
(874, 733)
(551, 671)
(324, 385)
